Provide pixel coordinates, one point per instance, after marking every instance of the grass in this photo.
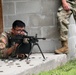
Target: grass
(68, 69)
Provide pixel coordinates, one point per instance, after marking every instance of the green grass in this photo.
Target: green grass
(68, 69)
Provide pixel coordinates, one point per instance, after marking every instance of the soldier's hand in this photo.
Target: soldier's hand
(16, 45)
(66, 6)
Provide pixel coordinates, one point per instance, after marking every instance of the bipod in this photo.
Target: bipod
(33, 44)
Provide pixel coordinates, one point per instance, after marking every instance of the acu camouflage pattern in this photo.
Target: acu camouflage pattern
(63, 19)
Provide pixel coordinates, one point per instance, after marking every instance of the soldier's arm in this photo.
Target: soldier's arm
(5, 52)
(8, 51)
(65, 5)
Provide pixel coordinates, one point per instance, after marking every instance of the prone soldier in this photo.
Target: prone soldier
(8, 47)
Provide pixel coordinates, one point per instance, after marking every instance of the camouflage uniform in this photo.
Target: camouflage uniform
(63, 19)
(7, 44)
(3, 46)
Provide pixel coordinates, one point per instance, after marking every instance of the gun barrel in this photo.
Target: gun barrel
(42, 38)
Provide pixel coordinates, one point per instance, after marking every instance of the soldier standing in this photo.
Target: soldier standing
(64, 12)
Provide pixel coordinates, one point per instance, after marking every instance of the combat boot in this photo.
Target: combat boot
(63, 49)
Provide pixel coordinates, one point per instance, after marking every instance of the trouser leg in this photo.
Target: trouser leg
(63, 22)
(63, 19)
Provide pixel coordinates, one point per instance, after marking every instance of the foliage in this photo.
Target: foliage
(68, 69)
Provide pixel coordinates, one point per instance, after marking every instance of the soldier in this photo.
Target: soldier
(9, 47)
(64, 12)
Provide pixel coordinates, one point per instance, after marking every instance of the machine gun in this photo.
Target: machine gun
(32, 39)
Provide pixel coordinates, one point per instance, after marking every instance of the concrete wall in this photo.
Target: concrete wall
(39, 17)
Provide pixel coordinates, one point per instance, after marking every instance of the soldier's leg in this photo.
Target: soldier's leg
(63, 19)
